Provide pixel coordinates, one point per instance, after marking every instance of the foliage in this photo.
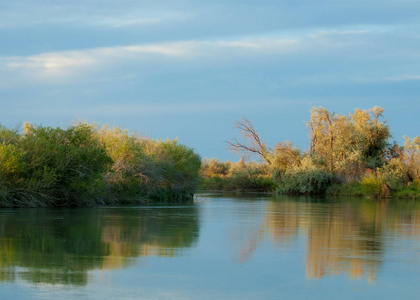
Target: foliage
(371, 185)
(409, 191)
(411, 156)
(304, 179)
(213, 167)
(286, 155)
(353, 188)
(349, 144)
(240, 176)
(395, 173)
(51, 166)
(178, 167)
(84, 165)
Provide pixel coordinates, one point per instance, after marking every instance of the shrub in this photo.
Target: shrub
(213, 167)
(304, 179)
(240, 176)
(84, 165)
(348, 189)
(395, 173)
(177, 169)
(145, 169)
(63, 164)
(304, 182)
(126, 178)
(371, 185)
(214, 183)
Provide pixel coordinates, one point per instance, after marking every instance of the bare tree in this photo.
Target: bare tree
(253, 143)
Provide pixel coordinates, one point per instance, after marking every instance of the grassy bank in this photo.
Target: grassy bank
(375, 190)
(85, 165)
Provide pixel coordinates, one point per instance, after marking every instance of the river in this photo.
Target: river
(222, 246)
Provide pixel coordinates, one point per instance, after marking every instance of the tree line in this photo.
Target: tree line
(348, 154)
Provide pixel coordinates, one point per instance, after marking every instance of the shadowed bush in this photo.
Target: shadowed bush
(178, 169)
(307, 178)
(304, 181)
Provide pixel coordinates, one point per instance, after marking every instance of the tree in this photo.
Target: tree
(253, 144)
(344, 143)
(373, 134)
(412, 156)
(322, 135)
(285, 156)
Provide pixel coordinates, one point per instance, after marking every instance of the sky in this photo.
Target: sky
(190, 69)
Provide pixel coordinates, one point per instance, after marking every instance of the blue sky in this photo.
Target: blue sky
(189, 69)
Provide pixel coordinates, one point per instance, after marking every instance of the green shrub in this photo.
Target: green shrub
(214, 183)
(83, 165)
(304, 179)
(349, 189)
(371, 185)
(177, 169)
(63, 164)
(50, 166)
(147, 170)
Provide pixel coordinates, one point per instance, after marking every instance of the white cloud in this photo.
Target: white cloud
(52, 63)
(55, 65)
(78, 64)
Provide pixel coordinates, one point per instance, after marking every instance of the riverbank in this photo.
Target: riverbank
(355, 189)
(255, 177)
(348, 155)
(86, 165)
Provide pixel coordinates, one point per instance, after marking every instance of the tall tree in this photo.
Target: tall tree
(252, 144)
(344, 142)
(322, 135)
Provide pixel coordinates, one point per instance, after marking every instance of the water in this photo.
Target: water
(219, 247)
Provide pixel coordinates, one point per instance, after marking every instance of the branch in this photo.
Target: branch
(256, 146)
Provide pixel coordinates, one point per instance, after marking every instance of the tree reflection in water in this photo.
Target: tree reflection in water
(60, 246)
(342, 236)
(337, 236)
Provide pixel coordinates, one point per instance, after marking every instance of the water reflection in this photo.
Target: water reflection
(342, 236)
(353, 237)
(60, 246)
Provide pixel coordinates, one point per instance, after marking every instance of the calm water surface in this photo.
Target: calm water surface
(219, 247)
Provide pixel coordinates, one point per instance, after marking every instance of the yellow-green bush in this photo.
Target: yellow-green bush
(85, 165)
(240, 176)
(371, 185)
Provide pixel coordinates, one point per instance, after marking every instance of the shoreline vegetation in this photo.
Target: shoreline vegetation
(349, 156)
(86, 165)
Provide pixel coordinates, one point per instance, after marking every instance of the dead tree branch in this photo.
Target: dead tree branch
(253, 143)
